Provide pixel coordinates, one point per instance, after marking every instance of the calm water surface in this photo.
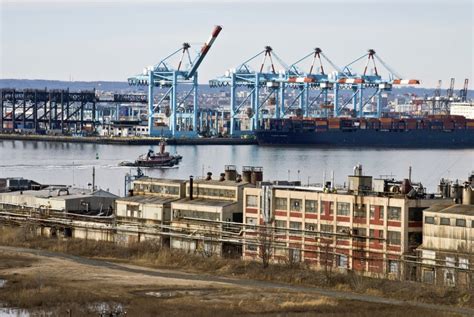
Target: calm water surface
(70, 163)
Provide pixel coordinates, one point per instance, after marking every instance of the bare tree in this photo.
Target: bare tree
(265, 240)
(328, 262)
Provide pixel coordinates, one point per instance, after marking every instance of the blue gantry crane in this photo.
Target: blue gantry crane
(316, 78)
(260, 86)
(163, 76)
(358, 82)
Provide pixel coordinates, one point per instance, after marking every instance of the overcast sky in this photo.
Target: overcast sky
(111, 40)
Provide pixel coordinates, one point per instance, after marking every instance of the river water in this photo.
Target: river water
(72, 163)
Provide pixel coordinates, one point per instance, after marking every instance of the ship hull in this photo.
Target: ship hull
(462, 138)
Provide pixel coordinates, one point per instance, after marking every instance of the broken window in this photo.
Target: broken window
(295, 204)
(393, 266)
(415, 213)
(327, 207)
(342, 261)
(311, 206)
(394, 213)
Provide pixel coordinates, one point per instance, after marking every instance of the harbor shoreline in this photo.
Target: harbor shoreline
(127, 140)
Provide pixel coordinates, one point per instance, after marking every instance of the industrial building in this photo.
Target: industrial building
(377, 227)
(368, 227)
(208, 214)
(198, 220)
(146, 211)
(447, 253)
(10, 184)
(61, 211)
(62, 199)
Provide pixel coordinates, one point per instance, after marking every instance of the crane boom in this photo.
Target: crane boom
(463, 93)
(204, 49)
(450, 91)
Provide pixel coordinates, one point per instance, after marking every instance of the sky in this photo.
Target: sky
(111, 40)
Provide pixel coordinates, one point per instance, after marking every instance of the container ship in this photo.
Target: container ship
(435, 131)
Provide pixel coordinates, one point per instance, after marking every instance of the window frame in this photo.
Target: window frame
(430, 217)
(299, 204)
(247, 204)
(442, 221)
(462, 220)
(313, 209)
(344, 212)
(398, 213)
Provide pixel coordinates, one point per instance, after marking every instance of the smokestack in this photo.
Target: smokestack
(191, 181)
(247, 174)
(230, 173)
(409, 173)
(209, 176)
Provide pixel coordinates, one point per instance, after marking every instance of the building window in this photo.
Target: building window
(343, 231)
(310, 206)
(252, 201)
(213, 192)
(449, 277)
(393, 237)
(392, 266)
(310, 226)
(294, 255)
(342, 261)
(360, 211)
(327, 207)
(164, 190)
(415, 213)
(343, 209)
(327, 228)
(450, 261)
(430, 220)
(394, 213)
(445, 221)
(295, 225)
(252, 247)
(376, 233)
(295, 204)
(280, 225)
(281, 204)
(251, 222)
(360, 233)
(180, 213)
(415, 239)
(373, 215)
(460, 222)
(463, 263)
(428, 276)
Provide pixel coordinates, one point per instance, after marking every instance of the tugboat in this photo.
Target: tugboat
(161, 159)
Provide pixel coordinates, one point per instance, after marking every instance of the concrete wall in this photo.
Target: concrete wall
(449, 238)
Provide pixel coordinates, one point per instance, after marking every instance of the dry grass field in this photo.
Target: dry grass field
(86, 278)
